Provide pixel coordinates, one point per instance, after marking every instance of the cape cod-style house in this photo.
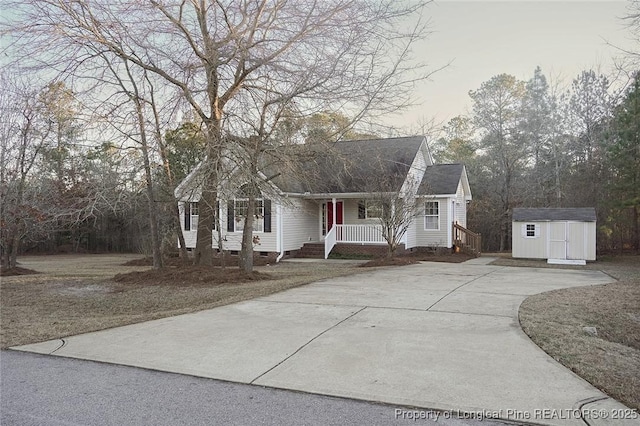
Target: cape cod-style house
(335, 212)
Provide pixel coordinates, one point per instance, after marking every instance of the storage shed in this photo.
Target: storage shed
(560, 235)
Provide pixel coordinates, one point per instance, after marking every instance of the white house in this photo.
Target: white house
(560, 235)
(334, 211)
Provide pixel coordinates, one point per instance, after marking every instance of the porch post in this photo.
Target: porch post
(333, 205)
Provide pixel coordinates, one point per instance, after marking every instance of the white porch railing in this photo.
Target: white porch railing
(358, 234)
(329, 241)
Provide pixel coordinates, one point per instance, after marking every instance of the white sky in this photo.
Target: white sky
(486, 38)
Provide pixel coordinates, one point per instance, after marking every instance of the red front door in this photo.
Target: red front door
(330, 214)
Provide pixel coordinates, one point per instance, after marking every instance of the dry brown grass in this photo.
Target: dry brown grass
(76, 294)
(555, 321)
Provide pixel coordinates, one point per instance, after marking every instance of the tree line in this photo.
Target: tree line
(530, 144)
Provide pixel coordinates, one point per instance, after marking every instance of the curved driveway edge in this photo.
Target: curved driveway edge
(432, 335)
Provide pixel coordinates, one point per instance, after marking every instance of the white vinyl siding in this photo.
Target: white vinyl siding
(268, 240)
(301, 223)
(410, 236)
(461, 206)
(433, 238)
(415, 174)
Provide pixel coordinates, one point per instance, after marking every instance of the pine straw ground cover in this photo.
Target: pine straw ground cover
(75, 294)
(554, 320)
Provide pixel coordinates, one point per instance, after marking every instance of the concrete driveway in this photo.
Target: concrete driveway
(432, 335)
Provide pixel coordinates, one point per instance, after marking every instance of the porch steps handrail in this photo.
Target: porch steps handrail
(329, 241)
(467, 240)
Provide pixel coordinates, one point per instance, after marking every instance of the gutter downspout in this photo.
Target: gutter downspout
(279, 238)
(450, 221)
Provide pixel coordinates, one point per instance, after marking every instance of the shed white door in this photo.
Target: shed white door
(566, 240)
(557, 240)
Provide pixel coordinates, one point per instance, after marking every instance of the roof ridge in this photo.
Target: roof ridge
(379, 139)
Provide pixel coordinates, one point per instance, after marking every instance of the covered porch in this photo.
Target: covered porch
(347, 220)
(352, 222)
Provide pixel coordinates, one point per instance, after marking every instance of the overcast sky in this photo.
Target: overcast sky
(484, 39)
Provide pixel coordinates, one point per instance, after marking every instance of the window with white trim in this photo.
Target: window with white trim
(531, 230)
(190, 216)
(369, 209)
(432, 215)
(240, 212)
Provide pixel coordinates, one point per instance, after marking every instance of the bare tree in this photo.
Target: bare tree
(395, 212)
(41, 191)
(339, 54)
(23, 138)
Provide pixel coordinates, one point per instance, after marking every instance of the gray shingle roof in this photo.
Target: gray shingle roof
(357, 166)
(441, 179)
(585, 214)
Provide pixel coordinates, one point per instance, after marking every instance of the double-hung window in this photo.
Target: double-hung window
(240, 211)
(369, 209)
(432, 215)
(190, 216)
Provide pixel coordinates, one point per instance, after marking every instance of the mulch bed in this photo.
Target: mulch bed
(231, 261)
(189, 275)
(9, 272)
(390, 261)
(411, 258)
(148, 261)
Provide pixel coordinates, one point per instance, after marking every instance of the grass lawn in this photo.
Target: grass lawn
(76, 294)
(554, 320)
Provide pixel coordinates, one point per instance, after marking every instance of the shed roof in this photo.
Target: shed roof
(583, 214)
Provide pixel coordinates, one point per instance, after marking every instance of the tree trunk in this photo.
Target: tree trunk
(170, 181)
(153, 214)
(246, 253)
(636, 229)
(204, 239)
(153, 219)
(223, 258)
(391, 250)
(13, 254)
(178, 226)
(503, 231)
(5, 256)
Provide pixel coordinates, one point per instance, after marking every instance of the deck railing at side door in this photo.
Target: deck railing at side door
(467, 240)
